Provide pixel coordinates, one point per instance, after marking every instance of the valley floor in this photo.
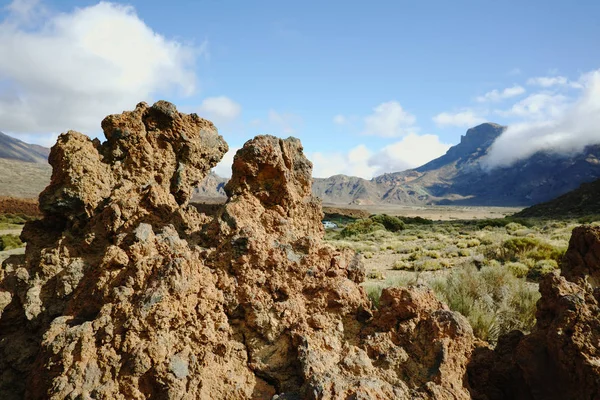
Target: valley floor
(487, 269)
(443, 213)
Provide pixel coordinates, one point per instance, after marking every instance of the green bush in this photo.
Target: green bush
(492, 299)
(416, 220)
(401, 266)
(502, 222)
(588, 219)
(16, 219)
(361, 226)
(518, 269)
(392, 224)
(8, 242)
(541, 268)
(518, 248)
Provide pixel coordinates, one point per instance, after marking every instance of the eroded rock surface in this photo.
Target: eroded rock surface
(128, 292)
(560, 359)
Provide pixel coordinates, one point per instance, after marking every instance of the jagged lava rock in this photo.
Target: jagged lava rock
(128, 292)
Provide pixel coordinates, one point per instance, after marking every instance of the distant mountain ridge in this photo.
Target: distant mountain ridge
(456, 178)
(459, 178)
(15, 149)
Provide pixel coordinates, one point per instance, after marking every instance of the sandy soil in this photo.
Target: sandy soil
(442, 213)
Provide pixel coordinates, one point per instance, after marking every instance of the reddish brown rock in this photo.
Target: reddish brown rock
(560, 359)
(128, 292)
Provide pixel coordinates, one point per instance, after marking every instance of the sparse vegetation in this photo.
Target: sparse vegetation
(492, 299)
(487, 270)
(9, 242)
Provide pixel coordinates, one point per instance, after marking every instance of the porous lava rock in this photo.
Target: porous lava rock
(560, 358)
(126, 291)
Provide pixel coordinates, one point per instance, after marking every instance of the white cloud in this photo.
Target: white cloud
(353, 163)
(389, 120)
(286, 123)
(223, 168)
(221, 109)
(566, 130)
(72, 69)
(467, 118)
(537, 106)
(410, 152)
(550, 81)
(496, 95)
(340, 120)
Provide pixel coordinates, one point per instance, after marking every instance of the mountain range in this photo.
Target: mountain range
(459, 177)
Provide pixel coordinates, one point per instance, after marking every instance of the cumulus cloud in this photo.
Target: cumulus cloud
(354, 163)
(550, 81)
(465, 119)
(389, 120)
(221, 109)
(72, 69)
(410, 152)
(566, 129)
(538, 106)
(496, 95)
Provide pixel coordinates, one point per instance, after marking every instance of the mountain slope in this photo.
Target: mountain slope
(458, 177)
(583, 201)
(14, 149)
(24, 168)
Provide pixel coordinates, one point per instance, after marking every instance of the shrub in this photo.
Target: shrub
(374, 293)
(473, 243)
(401, 266)
(392, 224)
(528, 247)
(464, 253)
(432, 254)
(360, 227)
(8, 242)
(428, 265)
(589, 219)
(376, 275)
(542, 268)
(518, 269)
(416, 220)
(492, 299)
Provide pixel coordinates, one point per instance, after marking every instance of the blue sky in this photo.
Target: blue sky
(368, 87)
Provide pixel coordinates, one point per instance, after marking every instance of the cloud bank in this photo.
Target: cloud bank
(70, 70)
(410, 152)
(389, 120)
(557, 126)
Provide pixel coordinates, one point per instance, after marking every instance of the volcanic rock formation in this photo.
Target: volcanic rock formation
(126, 291)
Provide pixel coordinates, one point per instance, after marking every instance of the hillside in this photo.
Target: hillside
(15, 149)
(582, 201)
(458, 177)
(24, 168)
